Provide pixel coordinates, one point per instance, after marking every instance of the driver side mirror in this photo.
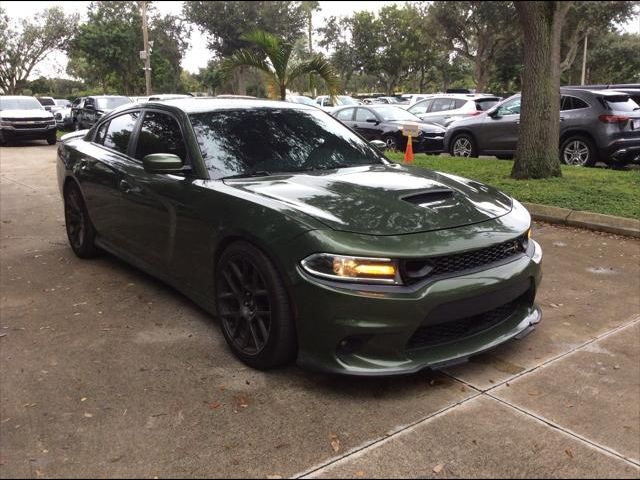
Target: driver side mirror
(494, 113)
(372, 120)
(162, 163)
(379, 144)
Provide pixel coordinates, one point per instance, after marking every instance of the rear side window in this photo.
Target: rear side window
(572, 103)
(119, 132)
(485, 104)
(160, 133)
(459, 103)
(620, 103)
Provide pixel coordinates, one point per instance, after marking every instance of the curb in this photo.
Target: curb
(591, 221)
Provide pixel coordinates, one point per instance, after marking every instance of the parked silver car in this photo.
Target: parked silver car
(594, 125)
(444, 109)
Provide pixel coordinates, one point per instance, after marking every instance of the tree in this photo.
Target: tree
(537, 152)
(589, 19)
(226, 22)
(272, 58)
(478, 31)
(24, 46)
(105, 50)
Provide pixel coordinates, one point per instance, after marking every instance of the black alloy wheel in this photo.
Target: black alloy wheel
(253, 307)
(80, 231)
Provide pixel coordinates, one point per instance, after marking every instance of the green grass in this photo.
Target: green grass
(599, 190)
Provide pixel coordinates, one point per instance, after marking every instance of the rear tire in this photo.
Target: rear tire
(463, 145)
(80, 230)
(253, 306)
(52, 139)
(579, 151)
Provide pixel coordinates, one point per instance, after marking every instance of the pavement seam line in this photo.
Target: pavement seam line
(363, 448)
(608, 451)
(634, 320)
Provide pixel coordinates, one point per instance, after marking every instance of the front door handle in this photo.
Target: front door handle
(517, 122)
(125, 186)
(562, 119)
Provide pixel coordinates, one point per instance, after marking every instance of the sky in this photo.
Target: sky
(198, 55)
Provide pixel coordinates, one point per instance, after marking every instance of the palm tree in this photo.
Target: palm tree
(272, 56)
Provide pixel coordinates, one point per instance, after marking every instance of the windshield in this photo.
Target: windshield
(63, 103)
(24, 103)
(620, 103)
(345, 100)
(247, 141)
(391, 114)
(111, 103)
(305, 100)
(46, 101)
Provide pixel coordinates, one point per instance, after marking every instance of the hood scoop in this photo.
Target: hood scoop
(429, 198)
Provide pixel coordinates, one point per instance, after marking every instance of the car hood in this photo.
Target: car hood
(382, 199)
(32, 113)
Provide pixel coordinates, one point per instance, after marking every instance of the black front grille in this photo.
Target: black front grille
(416, 270)
(441, 333)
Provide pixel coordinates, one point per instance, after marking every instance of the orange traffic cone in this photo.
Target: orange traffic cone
(408, 154)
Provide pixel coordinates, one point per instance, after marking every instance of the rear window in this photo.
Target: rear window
(46, 101)
(485, 104)
(111, 103)
(620, 103)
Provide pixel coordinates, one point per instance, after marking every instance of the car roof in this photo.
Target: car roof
(17, 96)
(603, 93)
(106, 96)
(204, 104)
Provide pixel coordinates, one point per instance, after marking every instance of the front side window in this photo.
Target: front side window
(442, 104)
(101, 133)
(364, 114)
(512, 107)
(119, 132)
(89, 102)
(160, 133)
(345, 115)
(420, 108)
(263, 139)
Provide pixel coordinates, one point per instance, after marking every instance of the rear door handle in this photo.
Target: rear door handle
(517, 122)
(562, 119)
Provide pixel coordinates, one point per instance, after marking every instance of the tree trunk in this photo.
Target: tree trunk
(481, 74)
(283, 92)
(537, 153)
(240, 78)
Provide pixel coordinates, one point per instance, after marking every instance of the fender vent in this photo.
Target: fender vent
(431, 196)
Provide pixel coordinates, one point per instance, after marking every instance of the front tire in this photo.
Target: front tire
(463, 145)
(253, 307)
(52, 139)
(80, 230)
(578, 151)
(392, 143)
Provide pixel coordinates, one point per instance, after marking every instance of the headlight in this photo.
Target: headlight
(5, 123)
(353, 269)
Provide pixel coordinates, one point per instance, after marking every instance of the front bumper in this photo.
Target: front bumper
(12, 133)
(429, 144)
(350, 330)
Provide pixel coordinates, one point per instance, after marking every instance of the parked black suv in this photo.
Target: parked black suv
(594, 125)
(85, 111)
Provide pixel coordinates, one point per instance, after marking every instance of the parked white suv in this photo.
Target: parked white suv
(325, 103)
(447, 107)
(24, 118)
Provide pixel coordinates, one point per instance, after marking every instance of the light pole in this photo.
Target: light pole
(146, 53)
(584, 60)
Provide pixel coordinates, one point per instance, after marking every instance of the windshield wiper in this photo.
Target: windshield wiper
(251, 173)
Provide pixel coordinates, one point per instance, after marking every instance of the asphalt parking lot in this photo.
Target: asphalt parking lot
(108, 372)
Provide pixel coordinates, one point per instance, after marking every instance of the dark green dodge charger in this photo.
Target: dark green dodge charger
(300, 236)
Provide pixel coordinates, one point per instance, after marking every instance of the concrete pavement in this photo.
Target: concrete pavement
(107, 372)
